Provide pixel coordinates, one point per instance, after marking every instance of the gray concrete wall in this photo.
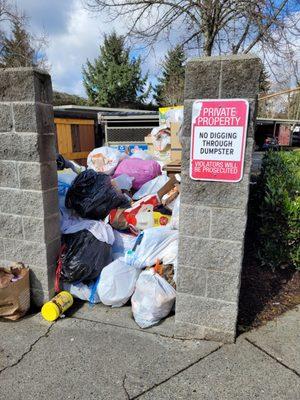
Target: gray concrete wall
(213, 215)
(29, 219)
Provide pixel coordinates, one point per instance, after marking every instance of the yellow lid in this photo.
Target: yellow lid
(50, 311)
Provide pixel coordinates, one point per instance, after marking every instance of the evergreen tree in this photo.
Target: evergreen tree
(169, 91)
(293, 104)
(114, 78)
(264, 107)
(264, 81)
(17, 50)
(62, 98)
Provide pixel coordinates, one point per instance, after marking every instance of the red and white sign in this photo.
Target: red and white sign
(219, 130)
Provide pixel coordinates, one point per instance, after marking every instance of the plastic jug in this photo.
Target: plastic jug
(57, 306)
(130, 254)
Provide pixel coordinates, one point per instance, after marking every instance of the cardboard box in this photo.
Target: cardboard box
(176, 156)
(170, 114)
(176, 149)
(149, 141)
(161, 219)
(173, 168)
(169, 191)
(175, 127)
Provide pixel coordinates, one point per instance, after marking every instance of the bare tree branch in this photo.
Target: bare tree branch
(219, 26)
(24, 49)
(264, 28)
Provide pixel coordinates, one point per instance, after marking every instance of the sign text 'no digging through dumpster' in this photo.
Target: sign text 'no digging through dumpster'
(219, 130)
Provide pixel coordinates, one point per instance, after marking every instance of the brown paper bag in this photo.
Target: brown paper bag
(15, 297)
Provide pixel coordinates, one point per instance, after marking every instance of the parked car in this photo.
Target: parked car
(296, 139)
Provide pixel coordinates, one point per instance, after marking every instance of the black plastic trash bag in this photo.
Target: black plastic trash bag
(84, 257)
(93, 196)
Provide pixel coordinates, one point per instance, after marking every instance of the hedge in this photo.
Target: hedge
(278, 207)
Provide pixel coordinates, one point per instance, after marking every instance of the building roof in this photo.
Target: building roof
(266, 121)
(73, 111)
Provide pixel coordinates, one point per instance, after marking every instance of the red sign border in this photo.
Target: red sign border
(242, 159)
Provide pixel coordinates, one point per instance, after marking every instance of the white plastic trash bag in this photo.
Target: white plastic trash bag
(123, 182)
(104, 159)
(170, 253)
(175, 214)
(161, 137)
(174, 115)
(117, 283)
(65, 180)
(156, 243)
(151, 187)
(123, 242)
(152, 300)
(82, 291)
(143, 155)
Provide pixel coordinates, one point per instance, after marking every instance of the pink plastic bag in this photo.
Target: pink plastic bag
(141, 170)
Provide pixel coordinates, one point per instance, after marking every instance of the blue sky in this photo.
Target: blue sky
(73, 36)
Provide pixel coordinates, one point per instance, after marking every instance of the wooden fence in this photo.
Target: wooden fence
(75, 138)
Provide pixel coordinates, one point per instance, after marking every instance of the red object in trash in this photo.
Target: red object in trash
(58, 269)
(123, 219)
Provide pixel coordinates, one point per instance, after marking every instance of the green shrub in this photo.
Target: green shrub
(279, 210)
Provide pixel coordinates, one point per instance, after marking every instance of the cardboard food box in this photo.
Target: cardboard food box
(169, 191)
(170, 114)
(149, 141)
(176, 148)
(175, 128)
(176, 156)
(174, 167)
(161, 219)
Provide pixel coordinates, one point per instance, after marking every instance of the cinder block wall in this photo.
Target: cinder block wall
(213, 215)
(29, 218)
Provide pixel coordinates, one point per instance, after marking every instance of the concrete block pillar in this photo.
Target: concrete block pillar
(213, 215)
(29, 216)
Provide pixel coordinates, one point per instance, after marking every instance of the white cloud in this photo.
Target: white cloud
(69, 50)
(74, 35)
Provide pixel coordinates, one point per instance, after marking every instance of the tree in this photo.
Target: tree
(169, 91)
(61, 99)
(8, 14)
(292, 109)
(17, 50)
(264, 87)
(210, 26)
(114, 78)
(264, 81)
(7, 11)
(283, 103)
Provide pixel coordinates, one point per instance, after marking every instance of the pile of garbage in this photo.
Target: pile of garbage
(119, 225)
